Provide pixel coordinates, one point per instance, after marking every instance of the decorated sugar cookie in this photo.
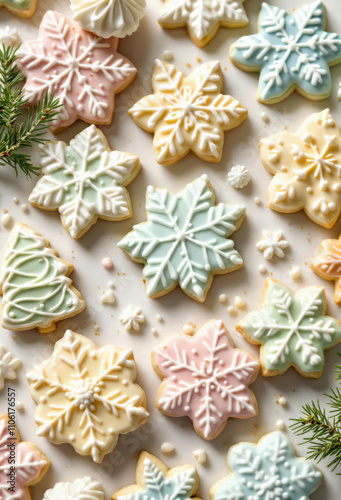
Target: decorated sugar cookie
(267, 470)
(178, 483)
(187, 113)
(85, 181)
(109, 18)
(184, 242)
(292, 329)
(291, 52)
(327, 264)
(22, 8)
(81, 69)
(203, 17)
(84, 488)
(87, 396)
(35, 285)
(29, 467)
(205, 378)
(307, 169)
(8, 367)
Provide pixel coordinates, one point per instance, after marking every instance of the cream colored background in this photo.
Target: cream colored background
(241, 146)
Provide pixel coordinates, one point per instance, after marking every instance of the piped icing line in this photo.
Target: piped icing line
(34, 283)
(85, 181)
(307, 169)
(83, 71)
(205, 378)
(109, 18)
(152, 475)
(87, 396)
(187, 113)
(327, 264)
(291, 52)
(268, 469)
(292, 329)
(30, 463)
(203, 17)
(184, 242)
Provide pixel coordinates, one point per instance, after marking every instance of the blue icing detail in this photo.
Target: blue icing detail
(290, 52)
(269, 469)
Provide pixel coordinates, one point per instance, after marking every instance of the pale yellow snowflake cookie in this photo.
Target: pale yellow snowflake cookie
(187, 113)
(87, 396)
(307, 169)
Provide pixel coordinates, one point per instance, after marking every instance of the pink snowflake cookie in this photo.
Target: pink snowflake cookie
(205, 378)
(82, 69)
(30, 464)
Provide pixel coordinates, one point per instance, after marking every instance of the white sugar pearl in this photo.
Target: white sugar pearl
(282, 401)
(167, 447)
(295, 272)
(107, 263)
(6, 220)
(222, 298)
(280, 425)
(239, 302)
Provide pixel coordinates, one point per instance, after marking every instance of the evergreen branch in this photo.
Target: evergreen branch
(322, 431)
(16, 136)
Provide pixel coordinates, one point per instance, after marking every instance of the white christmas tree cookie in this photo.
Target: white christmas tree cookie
(34, 283)
(187, 113)
(85, 181)
(87, 396)
(29, 467)
(205, 378)
(155, 481)
(307, 169)
(22, 8)
(84, 488)
(185, 240)
(109, 18)
(203, 17)
(292, 329)
(268, 470)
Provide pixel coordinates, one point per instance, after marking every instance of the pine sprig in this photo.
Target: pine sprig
(321, 431)
(15, 135)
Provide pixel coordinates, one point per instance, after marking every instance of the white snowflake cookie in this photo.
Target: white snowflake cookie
(185, 240)
(35, 285)
(205, 378)
(187, 113)
(131, 318)
(84, 488)
(109, 18)
(267, 470)
(155, 480)
(203, 17)
(85, 181)
(30, 464)
(272, 244)
(87, 396)
(8, 366)
(292, 329)
(307, 169)
(239, 176)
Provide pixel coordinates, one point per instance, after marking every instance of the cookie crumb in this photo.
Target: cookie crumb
(108, 297)
(200, 456)
(167, 447)
(188, 328)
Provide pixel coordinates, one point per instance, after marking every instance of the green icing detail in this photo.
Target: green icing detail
(20, 5)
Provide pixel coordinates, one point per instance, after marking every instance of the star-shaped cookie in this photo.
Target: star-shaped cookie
(203, 17)
(82, 69)
(327, 264)
(307, 169)
(22, 8)
(290, 52)
(187, 113)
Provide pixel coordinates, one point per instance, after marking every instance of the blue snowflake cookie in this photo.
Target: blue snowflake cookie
(291, 53)
(185, 240)
(267, 470)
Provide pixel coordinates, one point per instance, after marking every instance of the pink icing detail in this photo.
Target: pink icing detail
(82, 69)
(206, 378)
(28, 465)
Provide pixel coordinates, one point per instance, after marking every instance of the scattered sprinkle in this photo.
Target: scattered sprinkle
(16, 200)
(222, 298)
(155, 332)
(282, 401)
(24, 208)
(280, 425)
(200, 456)
(168, 55)
(108, 297)
(188, 328)
(265, 117)
(232, 310)
(107, 263)
(257, 200)
(159, 318)
(131, 318)
(167, 447)
(19, 406)
(295, 273)
(111, 284)
(262, 268)
(239, 302)
(9, 36)
(6, 220)
(239, 176)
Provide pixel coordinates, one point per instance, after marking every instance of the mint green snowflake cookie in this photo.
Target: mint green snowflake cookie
(290, 52)
(184, 242)
(156, 481)
(292, 329)
(267, 470)
(22, 8)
